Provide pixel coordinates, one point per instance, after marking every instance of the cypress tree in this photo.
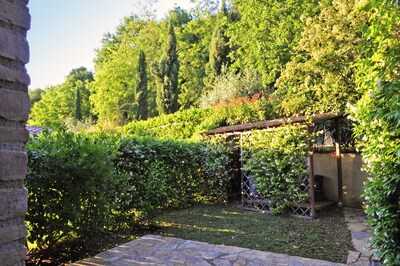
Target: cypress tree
(166, 74)
(219, 49)
(141, 88)
(78, 108)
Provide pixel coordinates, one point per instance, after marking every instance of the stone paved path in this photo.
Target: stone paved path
(360, 234)
(159, 250)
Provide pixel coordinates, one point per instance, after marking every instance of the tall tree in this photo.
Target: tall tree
(78, 103)
(320, 77)
(219, 48)
(141, 88)
(193, 42)
(35, 95)
(166, 73)
(113, 92)
(267, 32)
(60, 102)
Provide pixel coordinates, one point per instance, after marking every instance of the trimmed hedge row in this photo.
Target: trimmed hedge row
(82, 184)
(188, 124)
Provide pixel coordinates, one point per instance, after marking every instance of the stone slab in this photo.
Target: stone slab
(13, 203)
(15, 14)
(13, 45)
(14, 105)
(13, 165)
(159, 250)
(14, 75)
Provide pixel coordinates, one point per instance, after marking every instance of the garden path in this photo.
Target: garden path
(160, 250)
(360, 234)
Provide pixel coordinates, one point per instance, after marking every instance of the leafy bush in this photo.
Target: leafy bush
(230, 85)
(276, 160)
(82, 184)
(188, 124)
(165, 174)
(378, 117)
(69, 177)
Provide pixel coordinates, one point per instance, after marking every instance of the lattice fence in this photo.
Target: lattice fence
(253, 200)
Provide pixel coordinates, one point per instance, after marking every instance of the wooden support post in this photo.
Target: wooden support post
(339, 162)
(310, 128)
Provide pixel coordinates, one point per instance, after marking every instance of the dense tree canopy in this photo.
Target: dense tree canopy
(267, 33)
(60, 102)
(320, 77)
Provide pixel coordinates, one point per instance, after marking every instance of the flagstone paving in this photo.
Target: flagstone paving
(160, 250)
(360, 234)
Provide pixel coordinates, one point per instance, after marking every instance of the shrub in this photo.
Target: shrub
(82, 184)
(68, 179)
(188, 124)
(276, 159)
(167, 174)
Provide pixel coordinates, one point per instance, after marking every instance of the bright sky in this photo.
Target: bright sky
(64, 33)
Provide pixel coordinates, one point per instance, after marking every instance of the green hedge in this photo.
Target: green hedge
(188, 124)
(80, 184)
(276, 158)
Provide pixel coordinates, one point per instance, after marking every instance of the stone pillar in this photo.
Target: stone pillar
(14, 110)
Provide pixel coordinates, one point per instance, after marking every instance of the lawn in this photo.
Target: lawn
(326, 238)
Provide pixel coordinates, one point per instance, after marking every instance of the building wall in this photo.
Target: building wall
(353, 177)
(14, 109)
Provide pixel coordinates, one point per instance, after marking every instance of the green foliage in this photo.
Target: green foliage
(219, 49)
(59, 103)
(69, 178)
(113, 90)
(80, 185)
(141, 88)
(276, 159)
(267, 32)
(166, 74)
(320, 78)
(229, 85)
(169, 174)
(193, 48)
(35, 95)
(188, 124)
(78, 102)
(378, 117)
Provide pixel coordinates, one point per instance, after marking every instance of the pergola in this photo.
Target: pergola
(258, 202)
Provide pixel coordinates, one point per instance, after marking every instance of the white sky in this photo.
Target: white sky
(64, 33)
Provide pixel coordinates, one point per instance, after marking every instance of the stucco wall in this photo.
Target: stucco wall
(353, 177)
(14, 109)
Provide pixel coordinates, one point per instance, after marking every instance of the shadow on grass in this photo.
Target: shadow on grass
(326, 238)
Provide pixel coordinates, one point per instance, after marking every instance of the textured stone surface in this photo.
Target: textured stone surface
(13, 75)
(14, 105)
(12, 232)
(15, 14)
(12, 165)
(13, 45)
(13, 203)
(13, 134)
(158, 250)
(14, 110)
(360, 234)
(12, 254)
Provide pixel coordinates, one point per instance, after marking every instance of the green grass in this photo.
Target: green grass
(326, 238)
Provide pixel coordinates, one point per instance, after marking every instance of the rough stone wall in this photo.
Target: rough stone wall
(14, 110)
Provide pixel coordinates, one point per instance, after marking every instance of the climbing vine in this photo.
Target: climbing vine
(276, 159)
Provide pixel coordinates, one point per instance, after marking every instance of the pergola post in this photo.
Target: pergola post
(339, 162)
(310, 128)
